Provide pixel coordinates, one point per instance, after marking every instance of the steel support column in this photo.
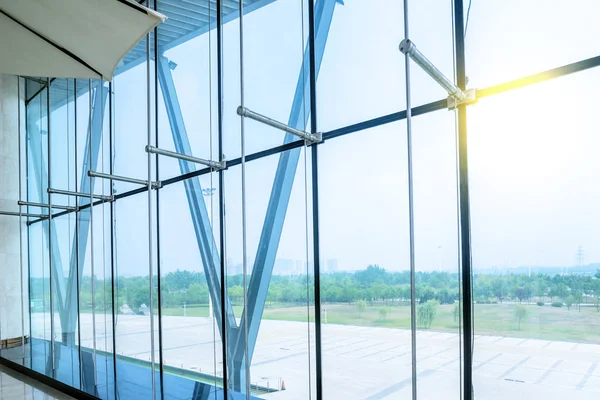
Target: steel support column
(193, 191)
(280, 197)
(464, 206)
(69, 316)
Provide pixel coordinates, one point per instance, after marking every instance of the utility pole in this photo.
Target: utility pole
(579, 257)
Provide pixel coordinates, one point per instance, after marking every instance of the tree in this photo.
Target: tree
(197, 294)
(561, 290)
(425, 293)
(520, 293)
(383, 312)
(444, 296)
(426, 313)
(404, 292)
(373, 274)
(520, 314)
(456, 313)
(499, 288)
(361, 305)
(578, 298)
(274, 294)
(569, 300)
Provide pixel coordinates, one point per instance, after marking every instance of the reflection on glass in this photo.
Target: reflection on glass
(361, 63)
(365, 279)
(191, 344)
(436, 257)
(534, 222)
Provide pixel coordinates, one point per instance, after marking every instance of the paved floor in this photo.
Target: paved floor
(14, 386)
(365, 363)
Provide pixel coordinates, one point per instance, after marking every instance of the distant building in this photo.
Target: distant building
(284, 266)
(331, 266)
(299, 267)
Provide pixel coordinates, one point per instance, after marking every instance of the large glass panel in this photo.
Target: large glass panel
(365, 280)
(533, 174)
(191, 344)
(362, 75)
(543, 34)
(431, 30)
(39, 268)
(280, 294)
(63, 174)
(131, 120)
(273, 53)
(436, 256)
(133, 324)
(187, 107)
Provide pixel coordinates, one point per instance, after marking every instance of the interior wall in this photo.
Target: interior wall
(10, 263)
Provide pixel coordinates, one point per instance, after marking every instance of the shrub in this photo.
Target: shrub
(540, 303)
(426, 313)
(520, 314)
(557, 304)
(361, 305)
(456, 313)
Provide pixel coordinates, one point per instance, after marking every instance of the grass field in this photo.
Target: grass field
(544, 322)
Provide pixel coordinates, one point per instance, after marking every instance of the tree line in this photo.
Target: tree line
(373, 285)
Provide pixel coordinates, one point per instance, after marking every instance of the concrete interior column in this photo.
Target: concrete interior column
(11, 287)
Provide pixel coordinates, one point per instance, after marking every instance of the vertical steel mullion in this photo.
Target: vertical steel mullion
(244, 215)
(91, 190)
(20, 220)
(27, 144)
(52, 344)
(150, 240)
(464, 206)
(76, 264)
(315, 200)
(112, 237)
(411, 214)
(221, 195)
(157, 174)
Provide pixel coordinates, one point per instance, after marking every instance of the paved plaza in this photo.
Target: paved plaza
(369, 363)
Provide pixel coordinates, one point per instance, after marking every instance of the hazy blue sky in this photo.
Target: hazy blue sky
(533, 152)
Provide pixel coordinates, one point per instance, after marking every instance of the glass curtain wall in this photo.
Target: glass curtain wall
(398, 257)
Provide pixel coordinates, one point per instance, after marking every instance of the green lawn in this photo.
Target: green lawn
(544, 322)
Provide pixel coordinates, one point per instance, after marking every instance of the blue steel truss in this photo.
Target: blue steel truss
(202, 224)
(65, 303)
(66, 298)
(276, 211)
(69, 316)
(282, 188)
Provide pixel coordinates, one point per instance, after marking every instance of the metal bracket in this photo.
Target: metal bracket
(27, 215)
(309, 138)
(79, 194)
(469, 98)
(41, 205)
(94, 174)
(216, 165)
(456, 95)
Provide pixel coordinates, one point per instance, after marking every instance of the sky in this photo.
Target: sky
(532, 152)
